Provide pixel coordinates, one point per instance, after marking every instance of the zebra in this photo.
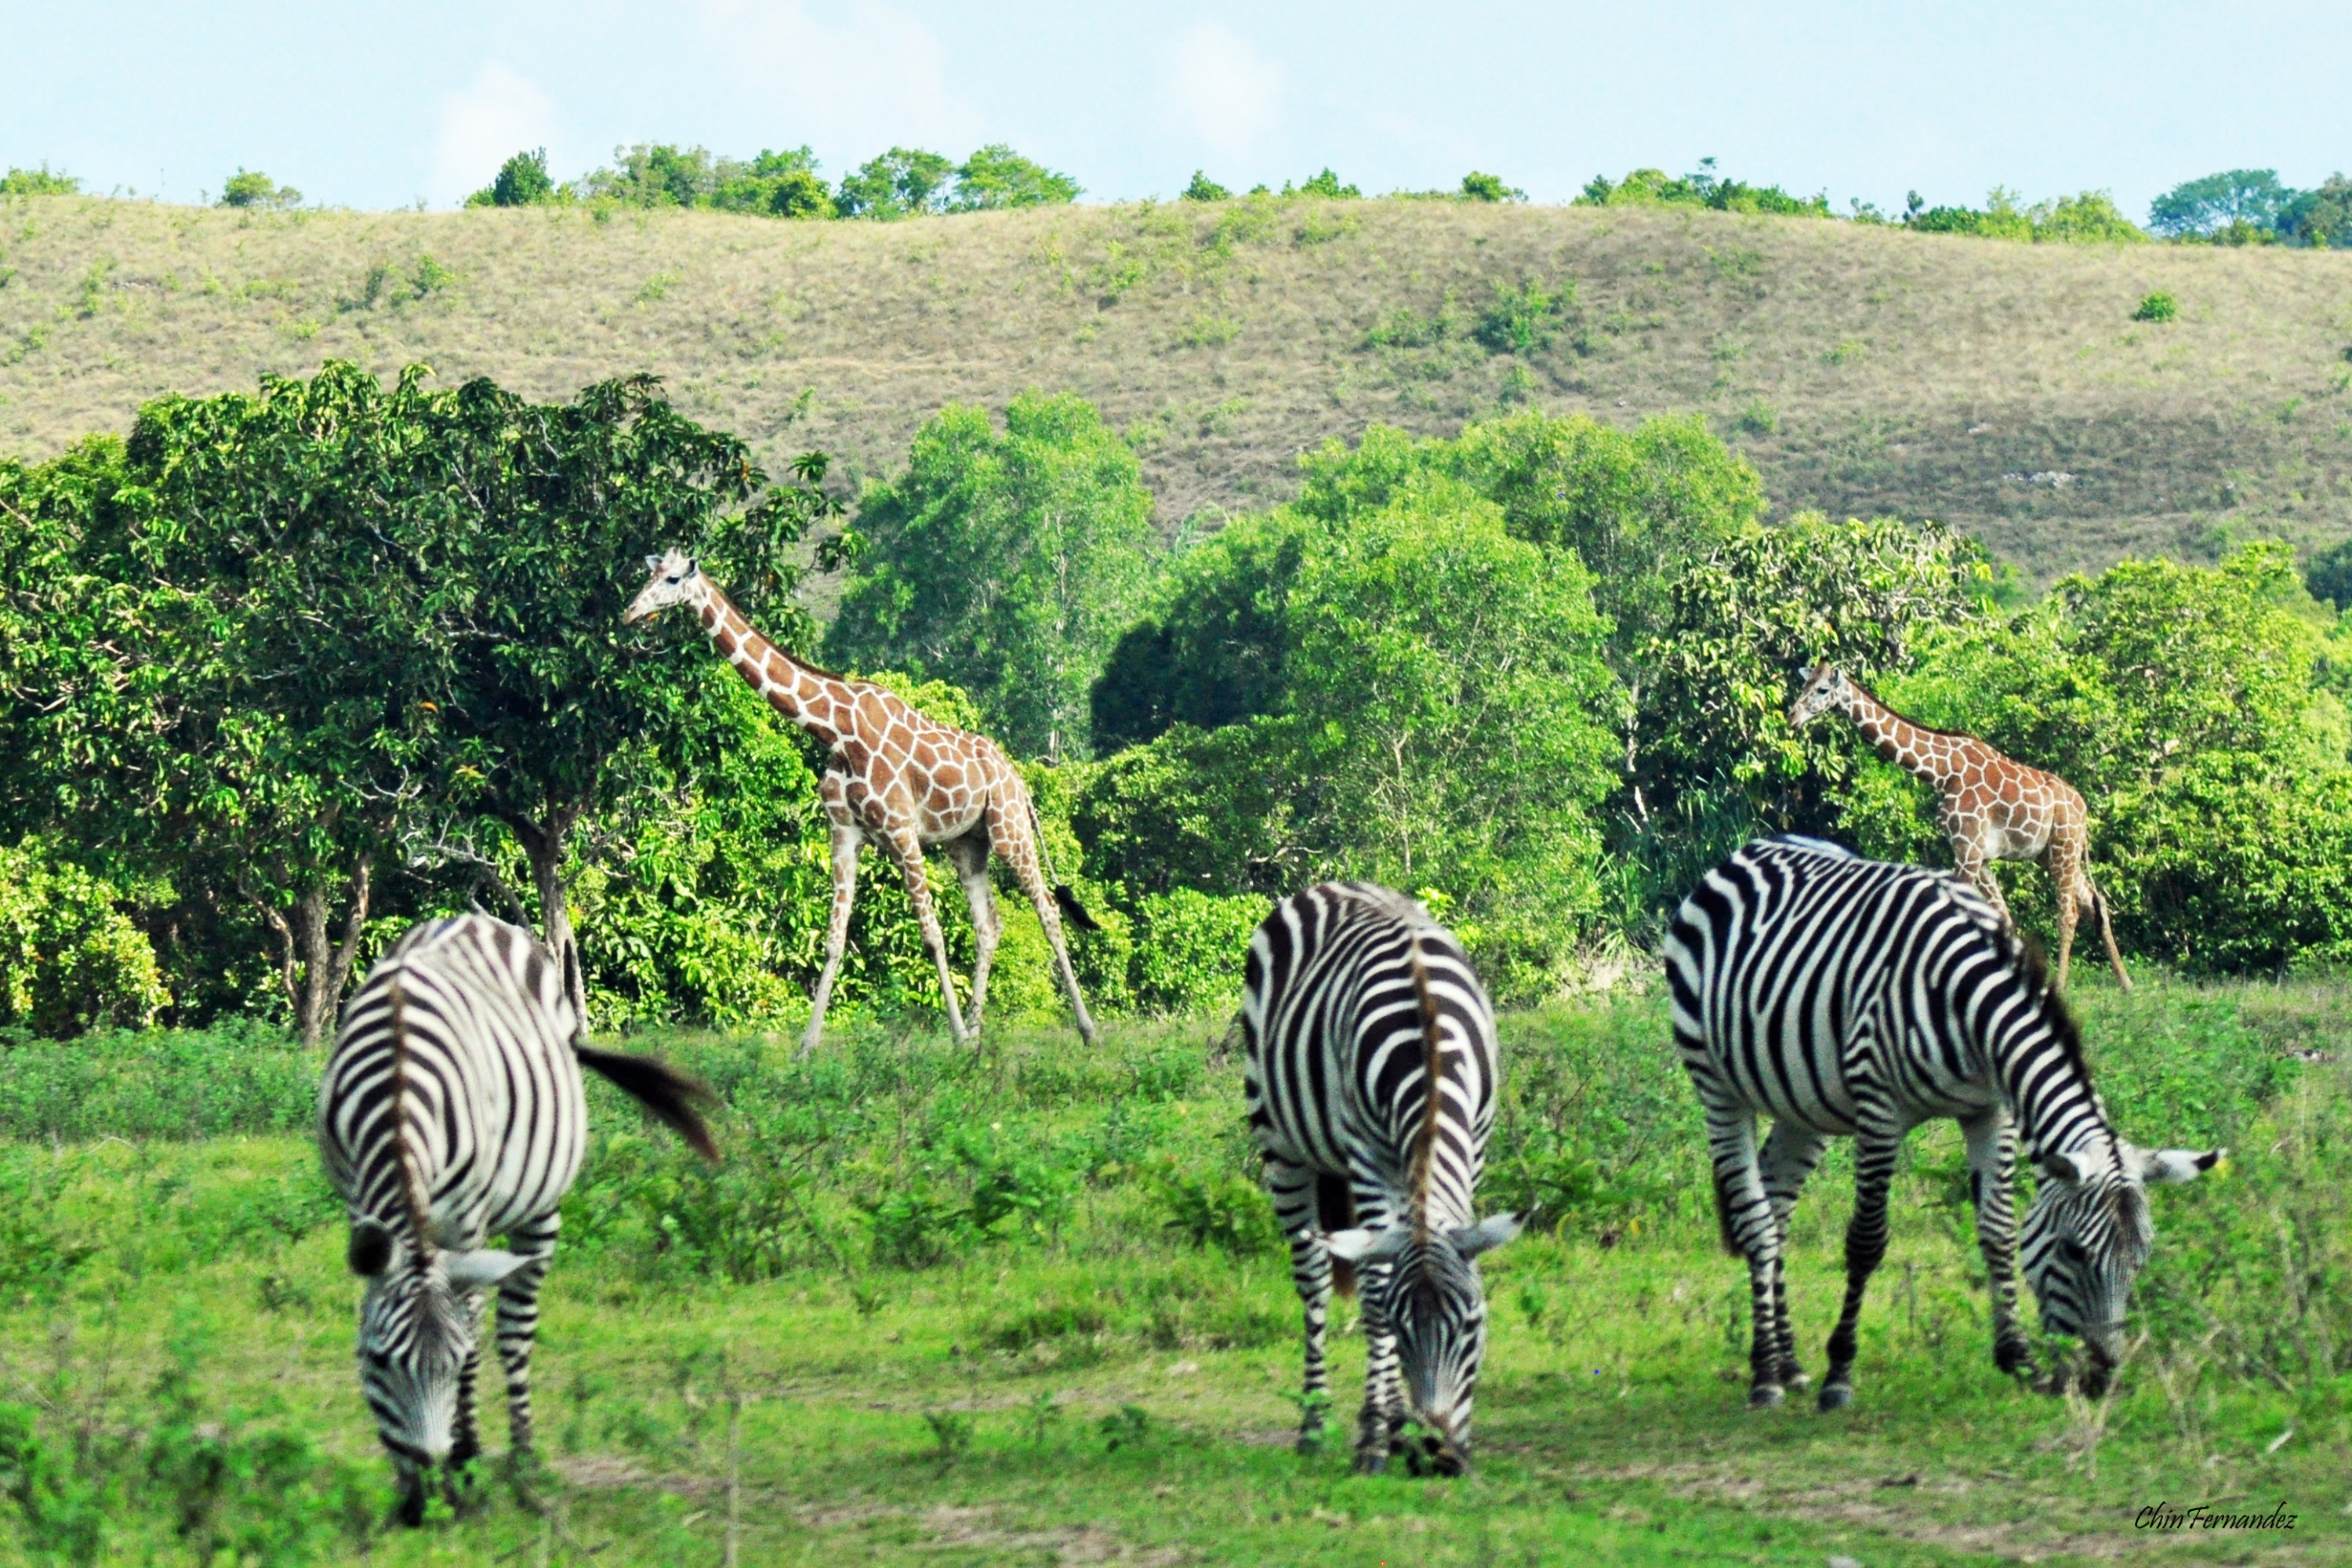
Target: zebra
(1848, 997)
(451, 1112)
(1353, 1003)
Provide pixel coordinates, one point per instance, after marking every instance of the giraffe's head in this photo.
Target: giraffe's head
(674, 578)
(1825, 689)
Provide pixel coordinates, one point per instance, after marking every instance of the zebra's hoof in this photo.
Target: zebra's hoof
(1795, 1379)
(1766, 1396)
(1836, 1395)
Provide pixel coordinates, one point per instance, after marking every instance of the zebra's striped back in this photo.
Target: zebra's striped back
(1370, 1081)
(1852, 998)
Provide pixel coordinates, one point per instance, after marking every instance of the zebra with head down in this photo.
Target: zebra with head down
(452, 1113)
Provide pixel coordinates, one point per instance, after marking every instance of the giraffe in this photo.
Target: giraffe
(899, 778)
(1990, 807)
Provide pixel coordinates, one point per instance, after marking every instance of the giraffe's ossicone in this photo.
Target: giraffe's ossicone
(898, 777)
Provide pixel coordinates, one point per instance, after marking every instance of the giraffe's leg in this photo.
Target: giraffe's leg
(1750, 1229)
(969, 854)
(2065, 863)
(907, 851)
(1790, 1155)
(846, 838)
(1292, 1188)
(1969, 859)
(534, 1243)
(1866, 1248)
(1992, 1187)
(1008, 830)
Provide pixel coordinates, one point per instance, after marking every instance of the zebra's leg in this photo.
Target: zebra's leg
(1992, 1187)
(1866, 1248)
(534, 1242)
(1292, 1188)
(1749, 1231)
(1790, 1155)
(466, 1439)
(1383, 1413)
(408, 1491)
(846, 839)
(969, 855)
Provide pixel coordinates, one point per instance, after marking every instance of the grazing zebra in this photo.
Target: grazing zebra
(1355, 1003)
(451, 1112)
(1852, 998)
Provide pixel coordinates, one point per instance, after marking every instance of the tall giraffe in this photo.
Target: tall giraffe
(895, 776)
(1990, 807)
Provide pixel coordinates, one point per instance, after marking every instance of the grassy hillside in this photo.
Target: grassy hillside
(2002, 387)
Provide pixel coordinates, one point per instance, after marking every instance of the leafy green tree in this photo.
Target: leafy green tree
(522, 181)
(2328, 575)
(996, 176)
(905, 182)
(1703, 187)
(775, 184)
(1206, 810)
(657, 174)
(2090, 218)
(38, 182)
(2320, 218)
(1479, 187)
(1452, 707)
(252, 188)
(2206, 206)
(1007, 564)
(1327, 185)
(1204, 189)
(70, 959)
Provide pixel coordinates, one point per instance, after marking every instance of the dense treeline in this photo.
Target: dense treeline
(286, 670)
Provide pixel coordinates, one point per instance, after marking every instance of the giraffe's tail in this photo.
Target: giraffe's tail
(1066, 898)
(2107, 932)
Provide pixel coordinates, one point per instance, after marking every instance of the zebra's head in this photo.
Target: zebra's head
(1824, 688)
(1430, 1297)
(2089, 1234)
(673, 577)
(420, 1326)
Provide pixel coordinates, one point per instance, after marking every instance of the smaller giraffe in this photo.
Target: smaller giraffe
(1990, 807)
(903, 780)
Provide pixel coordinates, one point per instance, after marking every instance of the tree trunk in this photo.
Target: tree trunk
(545, 845)
(327, 967)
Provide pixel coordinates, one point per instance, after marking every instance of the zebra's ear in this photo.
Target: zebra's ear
(481, 1268)
(2061, 1167)
(1489, 1233)
(2170, 1167)
(1360, 1246)
(371, 1249)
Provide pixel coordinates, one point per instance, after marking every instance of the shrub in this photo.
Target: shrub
(905, 182)
(522, 181)
(1189, 951)
(1204, 189)
(1479, 187)
(2157, 307)
(252, 188)
(1702, 187)
(1327, 185)
(1523, 320)
(38, 182)
(996, 176)
(70, 959)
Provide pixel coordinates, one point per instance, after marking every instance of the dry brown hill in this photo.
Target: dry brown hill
(2002, 387)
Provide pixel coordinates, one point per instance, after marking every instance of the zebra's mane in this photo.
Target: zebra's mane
(2031, 966)
(411, 1191)
(1433, 1080)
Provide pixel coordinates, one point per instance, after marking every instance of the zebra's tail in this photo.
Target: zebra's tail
(1066, 898)
(1335, 1209)
(673, 1097)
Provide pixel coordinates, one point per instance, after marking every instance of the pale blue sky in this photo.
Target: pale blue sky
(382, 106)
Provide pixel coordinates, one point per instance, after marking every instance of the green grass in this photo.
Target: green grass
(1082, 1349)
(1863, 369)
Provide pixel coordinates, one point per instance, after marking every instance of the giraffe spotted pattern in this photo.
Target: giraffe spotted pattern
(1990, 807)
(905, 781)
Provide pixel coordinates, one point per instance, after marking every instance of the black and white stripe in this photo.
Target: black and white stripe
(1355, 1003)
(1846, 997)
(452, 1113)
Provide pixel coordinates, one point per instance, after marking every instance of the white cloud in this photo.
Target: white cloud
(1222, 89)
(498, 115)
(866, 78)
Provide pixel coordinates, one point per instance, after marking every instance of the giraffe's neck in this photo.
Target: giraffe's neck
(819, 703)
(1898, 739)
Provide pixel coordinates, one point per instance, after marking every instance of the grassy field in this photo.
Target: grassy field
(2001, 387)
(1022, 1307)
